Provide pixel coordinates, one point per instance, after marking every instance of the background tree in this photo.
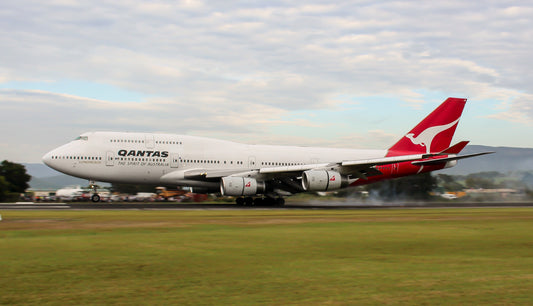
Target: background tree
(476, 181)
(4, 188)
(15, 175)
(449, 182)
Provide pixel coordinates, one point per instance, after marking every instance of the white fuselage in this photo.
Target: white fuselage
(146, 158)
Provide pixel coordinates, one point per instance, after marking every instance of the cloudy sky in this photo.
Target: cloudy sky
(354, 74)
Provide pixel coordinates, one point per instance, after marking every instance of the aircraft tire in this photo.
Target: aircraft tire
(239, 201)
(248, 201)
(95, 198)
(280, 201)
(268, 201)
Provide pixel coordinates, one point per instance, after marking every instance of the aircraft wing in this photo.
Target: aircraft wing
(360, 168)
(361, 163)
(287, 179)
(447, 159)
(384, 161)
(356, 167)
(199, 174)
(364, 167)
(289, 169)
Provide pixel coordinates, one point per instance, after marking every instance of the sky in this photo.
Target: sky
(349, 74)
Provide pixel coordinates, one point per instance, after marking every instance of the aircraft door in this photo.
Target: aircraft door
(110, 159)
(149, 141)
(174, 160)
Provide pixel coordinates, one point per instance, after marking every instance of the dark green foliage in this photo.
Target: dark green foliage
(14, 179)
(4, 188)
(486, 175)
(473, 181)
(529, 193)
(449, 183)
(527, 179)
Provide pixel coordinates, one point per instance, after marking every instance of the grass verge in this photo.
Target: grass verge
(409, 256)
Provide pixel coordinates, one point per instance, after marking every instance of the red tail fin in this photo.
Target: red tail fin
(434, 133)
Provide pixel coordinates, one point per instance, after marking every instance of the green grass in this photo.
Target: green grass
(298, 257)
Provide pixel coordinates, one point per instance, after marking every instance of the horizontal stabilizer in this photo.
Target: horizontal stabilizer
(456, 148)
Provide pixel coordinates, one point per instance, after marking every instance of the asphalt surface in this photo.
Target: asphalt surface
(307, 205)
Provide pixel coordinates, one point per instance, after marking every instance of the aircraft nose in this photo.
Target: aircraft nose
(47, 158)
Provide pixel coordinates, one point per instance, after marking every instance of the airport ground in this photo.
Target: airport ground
(239, 256)
(315, 204)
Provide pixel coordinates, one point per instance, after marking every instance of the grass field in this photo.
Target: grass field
(409, 256)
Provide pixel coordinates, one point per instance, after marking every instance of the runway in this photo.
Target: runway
(296, 205)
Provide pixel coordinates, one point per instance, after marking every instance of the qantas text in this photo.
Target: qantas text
(143, 153)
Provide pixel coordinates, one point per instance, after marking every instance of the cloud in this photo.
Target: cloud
(164, 48)
(517, 110)
(233, 68)
(61, 117)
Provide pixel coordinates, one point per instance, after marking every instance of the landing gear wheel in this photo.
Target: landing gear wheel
(239, 201)
(258, 201)
(280, 201)
(95, 198)
(249, 201)
(268, 201)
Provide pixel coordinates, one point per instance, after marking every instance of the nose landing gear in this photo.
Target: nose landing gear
(95, 197)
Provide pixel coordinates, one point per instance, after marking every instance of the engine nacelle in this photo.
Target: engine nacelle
(240, 186)
(204, 190)
(451, 163)
(322, 180)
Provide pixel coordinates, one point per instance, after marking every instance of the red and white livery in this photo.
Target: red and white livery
(265, 172)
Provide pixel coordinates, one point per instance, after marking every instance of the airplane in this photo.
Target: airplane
(257, 174)
(69, 193)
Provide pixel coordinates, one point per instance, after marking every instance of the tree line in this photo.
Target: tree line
(13, 180)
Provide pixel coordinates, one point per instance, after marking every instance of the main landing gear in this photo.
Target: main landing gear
(95, 197)
(267, 201)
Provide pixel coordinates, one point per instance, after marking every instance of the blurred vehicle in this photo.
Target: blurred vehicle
(169, 195)
(448, 196)
(143, 197)
(71, 193)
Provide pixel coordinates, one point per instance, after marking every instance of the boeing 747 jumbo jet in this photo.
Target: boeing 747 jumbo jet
(265, 172)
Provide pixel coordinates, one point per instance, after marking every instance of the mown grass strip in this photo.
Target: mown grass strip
(415, 256)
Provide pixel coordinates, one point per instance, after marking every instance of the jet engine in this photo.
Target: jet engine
(322, 180)
(240, 186)
(205, 190)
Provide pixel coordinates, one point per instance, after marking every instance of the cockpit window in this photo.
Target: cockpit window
(82, 138)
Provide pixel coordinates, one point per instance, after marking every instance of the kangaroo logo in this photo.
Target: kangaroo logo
(426, 137)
